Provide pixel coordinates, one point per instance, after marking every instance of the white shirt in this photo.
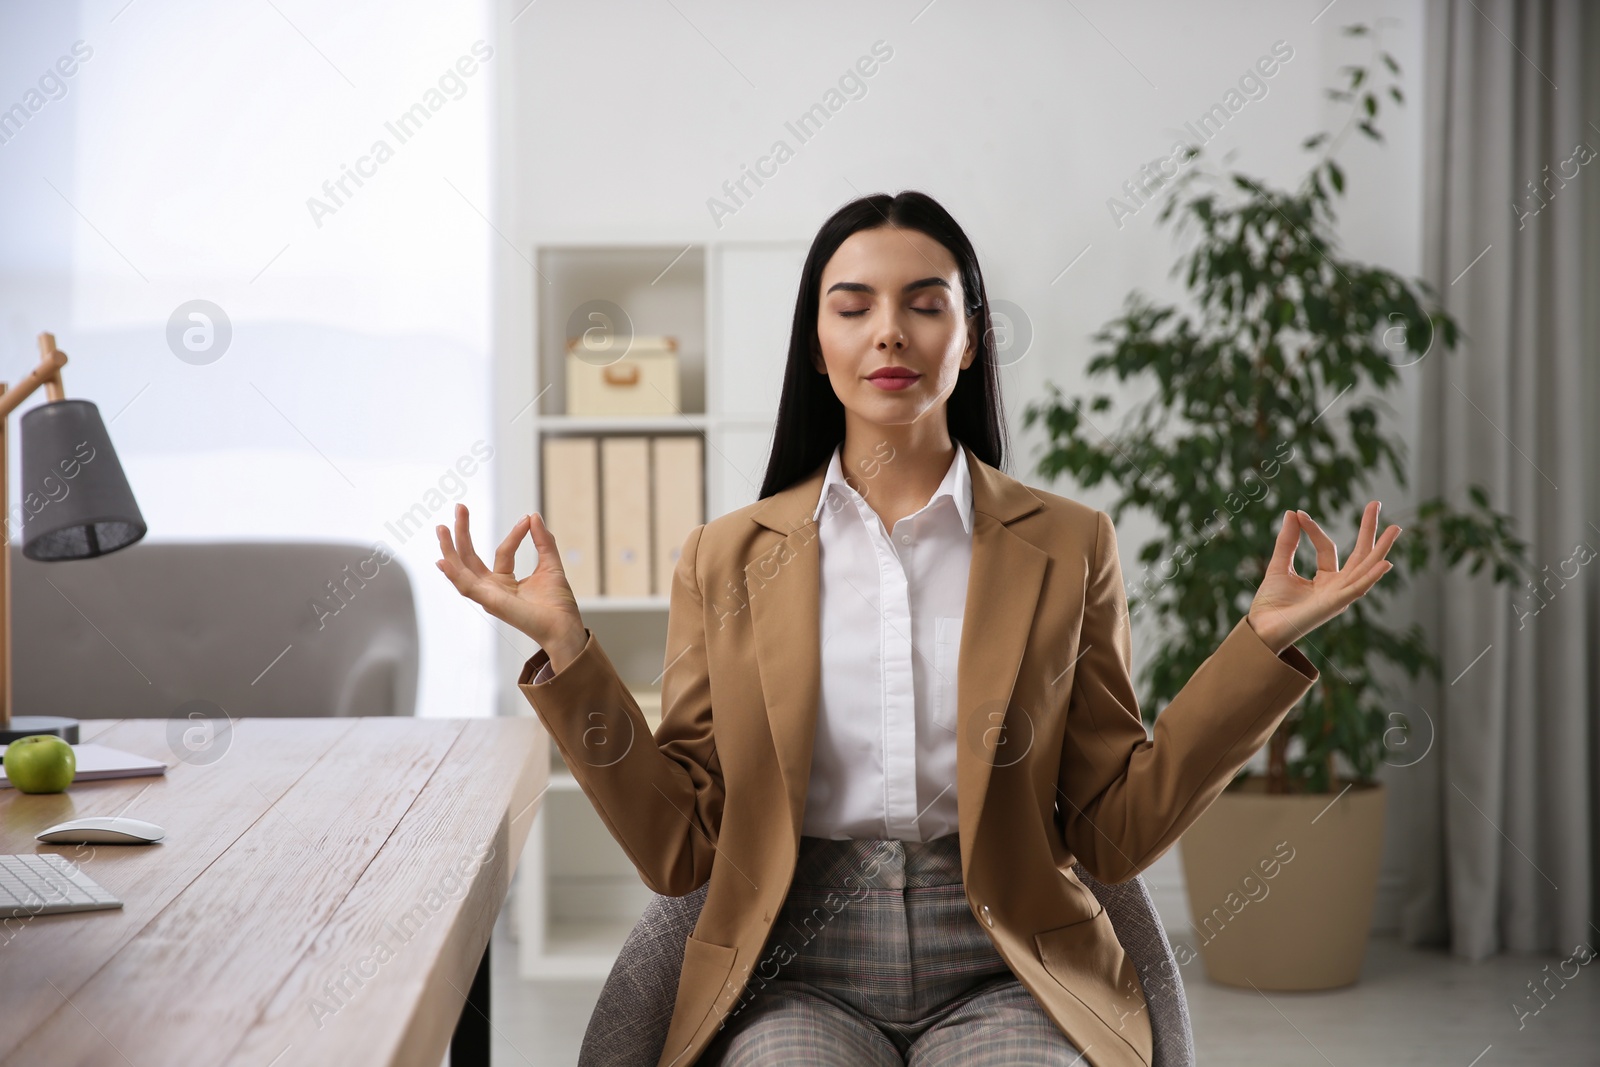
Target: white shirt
(884, 759)
(883, 762)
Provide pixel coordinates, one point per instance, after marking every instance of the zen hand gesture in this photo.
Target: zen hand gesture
(1287, 606)
(540, 605)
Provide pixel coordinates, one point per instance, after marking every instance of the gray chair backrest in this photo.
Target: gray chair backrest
(174, 629)
(630, 1020)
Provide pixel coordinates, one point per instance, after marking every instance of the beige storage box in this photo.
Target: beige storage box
(644, 381)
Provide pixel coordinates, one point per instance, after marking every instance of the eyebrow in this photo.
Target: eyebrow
(862, 287)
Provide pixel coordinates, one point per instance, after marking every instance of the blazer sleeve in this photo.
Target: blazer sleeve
(1126, 796)
(661, 797)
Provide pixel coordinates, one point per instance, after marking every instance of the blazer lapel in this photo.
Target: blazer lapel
(783, 588)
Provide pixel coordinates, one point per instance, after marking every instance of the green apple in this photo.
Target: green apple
(40, 763)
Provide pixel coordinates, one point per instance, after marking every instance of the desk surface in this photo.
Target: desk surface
(324, 894)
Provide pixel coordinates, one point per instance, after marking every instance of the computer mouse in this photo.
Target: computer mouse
(102, 830)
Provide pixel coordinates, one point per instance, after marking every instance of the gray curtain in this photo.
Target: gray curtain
(1500, 818)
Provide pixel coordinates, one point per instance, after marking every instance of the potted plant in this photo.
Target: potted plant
(1258, 406)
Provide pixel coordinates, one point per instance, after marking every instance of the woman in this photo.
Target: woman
(874, 677)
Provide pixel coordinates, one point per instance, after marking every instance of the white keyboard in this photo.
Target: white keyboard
(45, 884)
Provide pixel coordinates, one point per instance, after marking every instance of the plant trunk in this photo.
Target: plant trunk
(1278, 762)
(1327, 728)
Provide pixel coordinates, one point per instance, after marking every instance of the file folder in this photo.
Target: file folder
(625, 515)
(572, 508)
(677, 466)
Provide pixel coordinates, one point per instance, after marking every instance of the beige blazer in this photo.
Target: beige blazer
(1054, 764)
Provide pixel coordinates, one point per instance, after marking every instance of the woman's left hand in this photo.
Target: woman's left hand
(1287, 606)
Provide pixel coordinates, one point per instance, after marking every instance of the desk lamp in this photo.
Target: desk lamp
(75, 504)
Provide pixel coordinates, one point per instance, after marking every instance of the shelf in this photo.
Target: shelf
(624, 603)
(557, 424)
(729, 305)
(626, 291)
(690, 420)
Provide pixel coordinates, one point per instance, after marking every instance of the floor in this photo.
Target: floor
(1411, 1008)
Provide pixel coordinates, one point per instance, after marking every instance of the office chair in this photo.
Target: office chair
(629, 1024)
(178, 629)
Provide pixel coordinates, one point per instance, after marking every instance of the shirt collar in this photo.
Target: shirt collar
(957, 485)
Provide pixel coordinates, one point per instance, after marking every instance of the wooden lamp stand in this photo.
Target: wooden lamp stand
(95, 516)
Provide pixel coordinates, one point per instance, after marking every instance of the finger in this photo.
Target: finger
(465, 581)
(447, 547)
(481, 592)
(1375, 558)
(458, 575)
(544, 541)
(1327, 551)
(1380, 551)
(1363, 547)
(1282, 561)
(1370, 578)
(505, 556)
(453, 571)
(469, 558)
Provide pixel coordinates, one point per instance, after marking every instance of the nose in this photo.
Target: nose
(891, 336)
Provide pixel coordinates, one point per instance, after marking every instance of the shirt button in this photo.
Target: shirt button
(905, 539)
(986, 916)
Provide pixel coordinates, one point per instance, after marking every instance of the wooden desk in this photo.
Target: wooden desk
(325, 895)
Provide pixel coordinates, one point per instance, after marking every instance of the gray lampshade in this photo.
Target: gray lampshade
(75, 500)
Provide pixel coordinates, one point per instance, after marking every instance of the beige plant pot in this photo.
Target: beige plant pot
(1281, 888)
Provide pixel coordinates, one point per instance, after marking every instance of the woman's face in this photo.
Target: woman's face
(892, 297)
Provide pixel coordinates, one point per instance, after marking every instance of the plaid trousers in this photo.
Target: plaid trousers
(875, 958)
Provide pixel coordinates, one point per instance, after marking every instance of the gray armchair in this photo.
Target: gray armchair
(629, 1024)
(172, 629)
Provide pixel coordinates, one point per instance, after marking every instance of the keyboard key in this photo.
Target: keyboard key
(47, 884)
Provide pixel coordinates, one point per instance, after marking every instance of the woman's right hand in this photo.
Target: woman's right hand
(540, 605)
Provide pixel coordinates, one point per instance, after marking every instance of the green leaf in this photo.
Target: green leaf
(1394, 91)
(1389, 62)
(1371, 103)
(1282, 324)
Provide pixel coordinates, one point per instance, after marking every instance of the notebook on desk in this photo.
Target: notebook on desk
(101, 761)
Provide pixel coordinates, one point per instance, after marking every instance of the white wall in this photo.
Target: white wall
(360, 369)
(623, 119)
(178, 164)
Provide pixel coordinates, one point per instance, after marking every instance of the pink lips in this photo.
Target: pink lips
(894, 379)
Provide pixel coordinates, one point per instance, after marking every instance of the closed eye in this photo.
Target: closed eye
(863, 311)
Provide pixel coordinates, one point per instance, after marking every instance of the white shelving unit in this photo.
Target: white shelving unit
(730, 305)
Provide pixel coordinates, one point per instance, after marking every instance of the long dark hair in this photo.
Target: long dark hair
(810, 417)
